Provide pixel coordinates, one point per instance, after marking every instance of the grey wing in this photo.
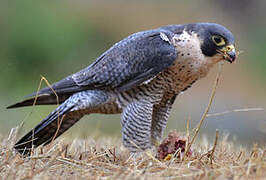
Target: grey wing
(128, 63)
(132, 61)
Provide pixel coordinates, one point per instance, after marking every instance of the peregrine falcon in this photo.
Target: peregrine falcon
(140, 77)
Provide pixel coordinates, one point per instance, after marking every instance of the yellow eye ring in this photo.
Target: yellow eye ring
(218, 40)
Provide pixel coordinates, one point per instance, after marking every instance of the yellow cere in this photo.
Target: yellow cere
(230, 47)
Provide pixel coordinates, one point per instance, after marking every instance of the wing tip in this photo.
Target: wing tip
(41, 99)
(27, 102)
(14, 106)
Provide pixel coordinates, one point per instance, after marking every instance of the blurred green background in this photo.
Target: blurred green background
(58, 38)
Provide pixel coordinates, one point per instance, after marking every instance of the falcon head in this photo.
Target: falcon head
(216, 40)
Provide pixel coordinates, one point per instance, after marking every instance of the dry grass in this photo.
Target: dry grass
(107, 159)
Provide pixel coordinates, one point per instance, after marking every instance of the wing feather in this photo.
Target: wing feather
(130, 62)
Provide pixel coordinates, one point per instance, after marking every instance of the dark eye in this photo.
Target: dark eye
(218, 40)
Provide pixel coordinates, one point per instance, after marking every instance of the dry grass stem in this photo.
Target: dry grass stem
(214, 146)
(235, 110)
(207, 108)
(33, 106)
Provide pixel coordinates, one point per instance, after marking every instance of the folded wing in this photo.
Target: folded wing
(128, 63)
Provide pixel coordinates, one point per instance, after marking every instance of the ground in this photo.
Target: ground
(106, 158)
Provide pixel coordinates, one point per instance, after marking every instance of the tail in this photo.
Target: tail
(61, 119)
(55, 124)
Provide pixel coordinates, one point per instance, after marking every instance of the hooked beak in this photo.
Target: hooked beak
(229, 53)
